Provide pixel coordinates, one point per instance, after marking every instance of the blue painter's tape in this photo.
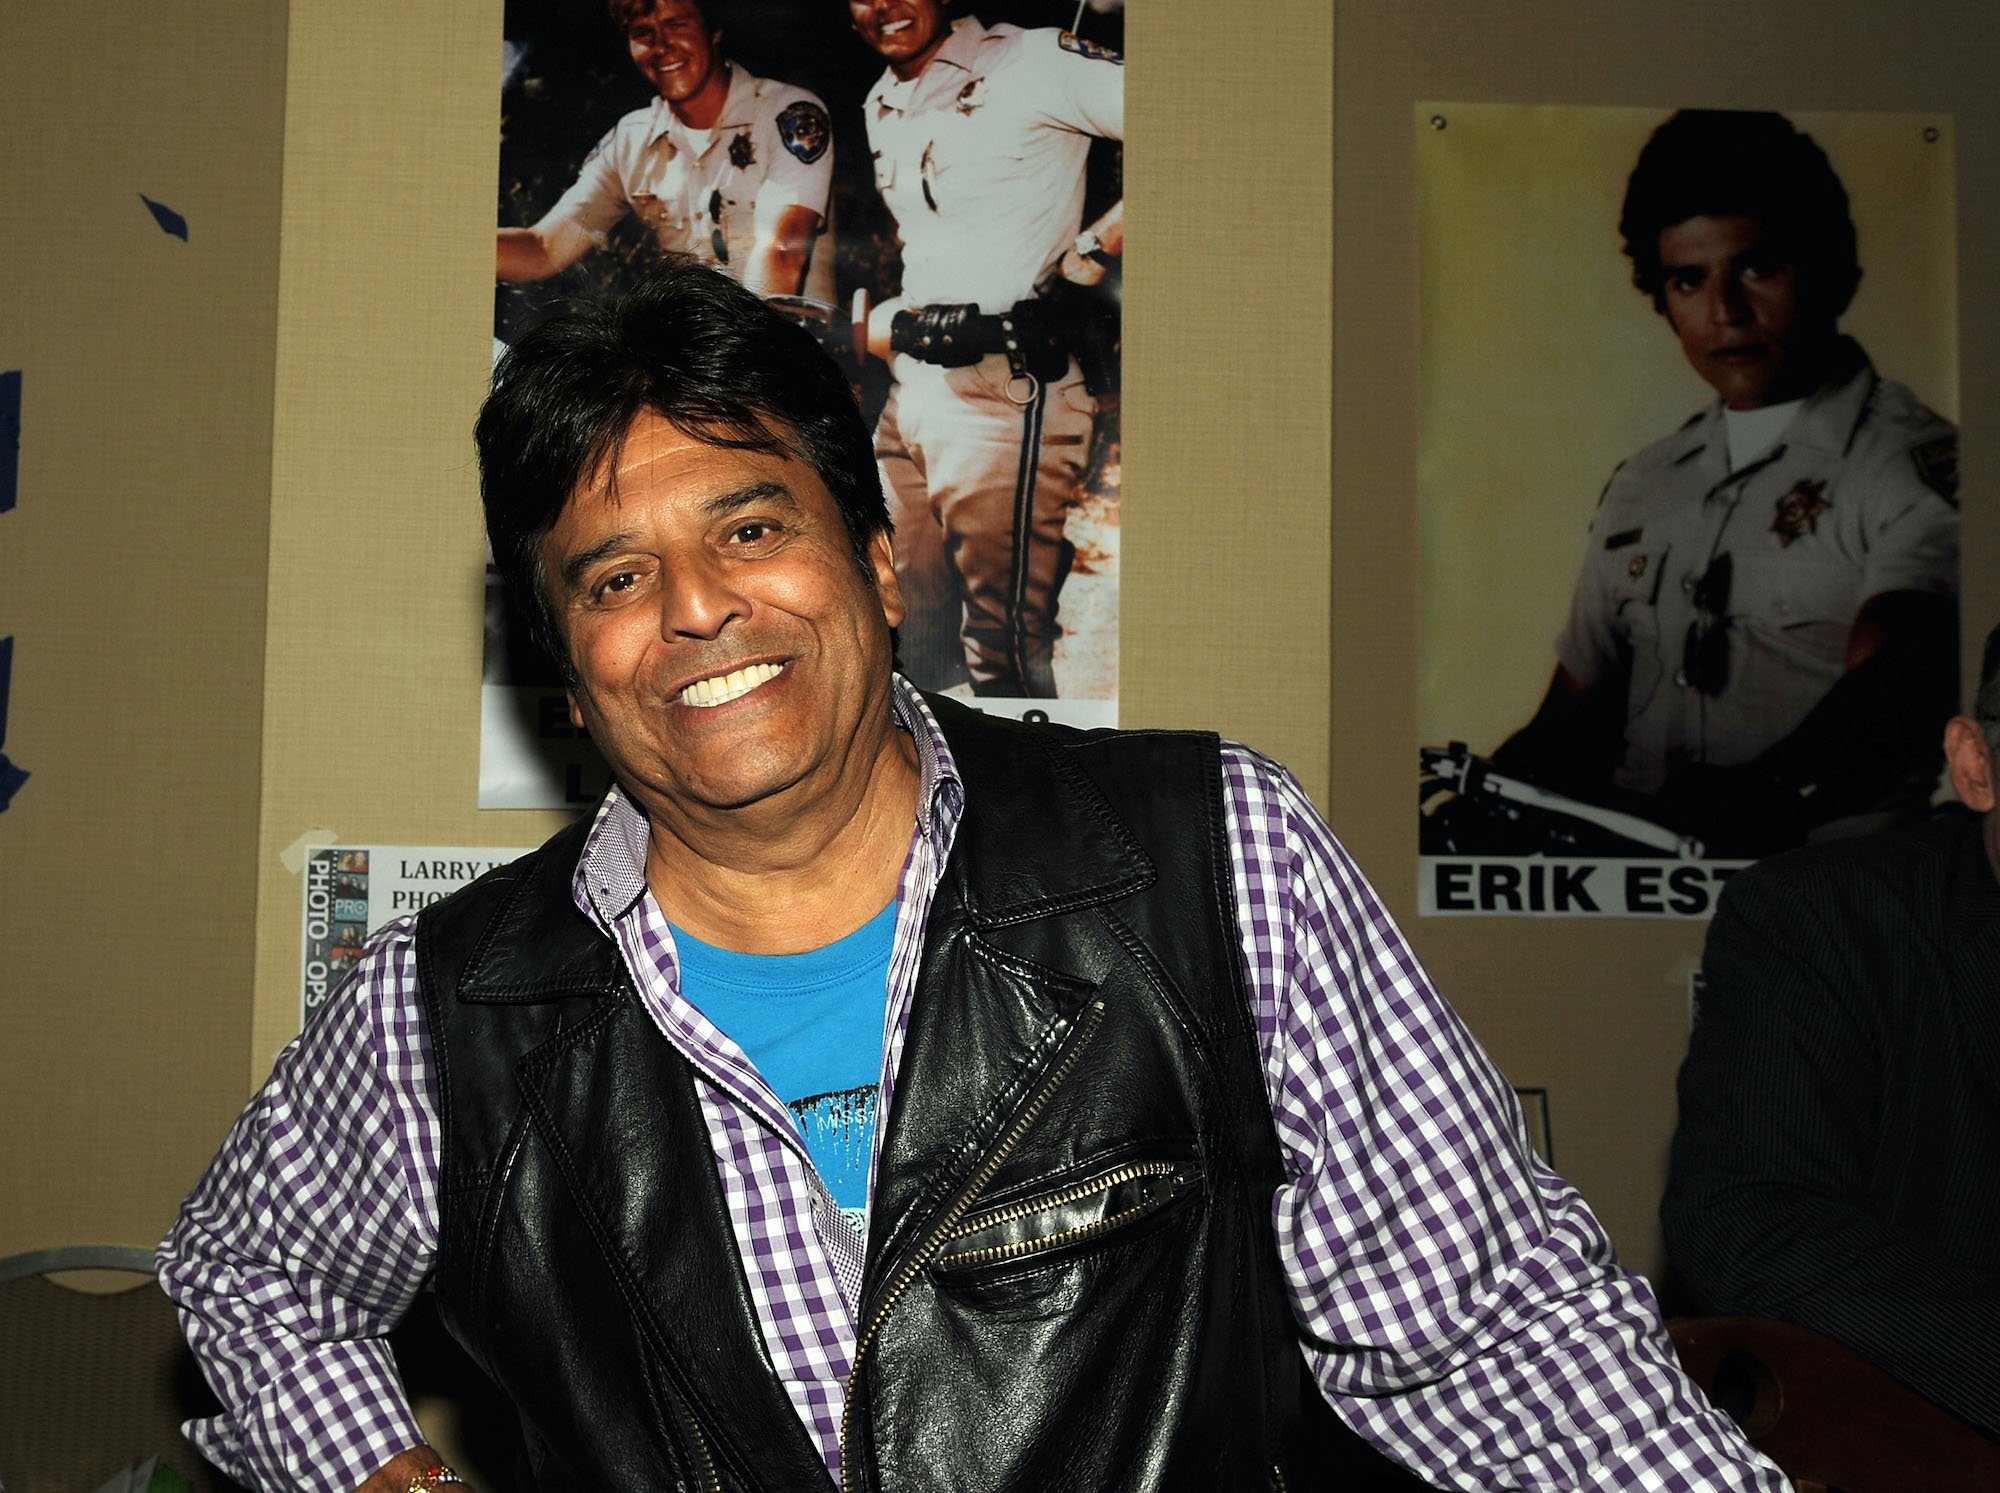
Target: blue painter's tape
(10, 437)
(11, 777)
(169, 220)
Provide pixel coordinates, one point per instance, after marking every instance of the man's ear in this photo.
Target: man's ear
(575, 710)
(882, 564)
(1969, 759)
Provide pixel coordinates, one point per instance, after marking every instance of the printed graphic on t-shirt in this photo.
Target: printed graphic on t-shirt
(839, 1132)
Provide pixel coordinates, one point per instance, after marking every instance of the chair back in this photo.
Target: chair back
(1828, 1417)
(94, 1376)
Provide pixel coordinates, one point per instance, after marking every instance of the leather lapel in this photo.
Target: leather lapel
(990, 1025)
(617, 1109)
(1080, 852)
(987, 1032)
(538, 946)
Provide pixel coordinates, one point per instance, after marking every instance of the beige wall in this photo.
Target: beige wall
(132, 577)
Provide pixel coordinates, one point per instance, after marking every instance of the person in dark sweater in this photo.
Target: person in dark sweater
(1837, 1161)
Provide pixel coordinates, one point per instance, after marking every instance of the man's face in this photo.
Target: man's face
(1737, 306)
(727, 647)
(906, 33)
(674, 49)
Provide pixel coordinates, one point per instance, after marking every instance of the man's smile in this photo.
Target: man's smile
(720, 689)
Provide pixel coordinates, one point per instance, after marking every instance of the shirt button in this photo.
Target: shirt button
(1681, 677)
(1687, 584)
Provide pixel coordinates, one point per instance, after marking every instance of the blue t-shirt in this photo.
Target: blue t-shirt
(812, 1023)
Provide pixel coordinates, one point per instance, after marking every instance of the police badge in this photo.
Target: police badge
(805, 129)
(1095, 51)
(1798, 511)
(741, 152)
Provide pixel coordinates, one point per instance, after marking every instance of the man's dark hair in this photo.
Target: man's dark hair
(699, 350)
(625, 12)
(1718, 162)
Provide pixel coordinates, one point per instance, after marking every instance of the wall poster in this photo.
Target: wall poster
(352, 890)
(937, 193)
(1688, 480)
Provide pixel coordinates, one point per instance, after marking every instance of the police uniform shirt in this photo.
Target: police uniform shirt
(771, 148)
(981, 157)
(1857, 498)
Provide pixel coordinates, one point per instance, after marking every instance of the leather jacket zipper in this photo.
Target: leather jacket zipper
(711, 1479)
(1093, 1015)
(707, 1479)
(1015, 1249)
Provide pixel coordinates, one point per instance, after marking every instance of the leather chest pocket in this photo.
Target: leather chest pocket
(1094, 1206)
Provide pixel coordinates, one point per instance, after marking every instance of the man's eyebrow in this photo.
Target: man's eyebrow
(724, 504)
(574, 567)
(719, 506)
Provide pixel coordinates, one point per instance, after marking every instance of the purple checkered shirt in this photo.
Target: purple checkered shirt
(1456, 1300)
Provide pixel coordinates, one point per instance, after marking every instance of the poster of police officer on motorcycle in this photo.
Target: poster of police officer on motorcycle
(935, 190)
(1688, 471)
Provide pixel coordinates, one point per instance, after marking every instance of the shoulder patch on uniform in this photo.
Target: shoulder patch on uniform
(1623, 537)
(804, 128)
(1095, 51)
(1936, 462)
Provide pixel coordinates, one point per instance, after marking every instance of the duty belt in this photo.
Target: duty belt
(1029, 334)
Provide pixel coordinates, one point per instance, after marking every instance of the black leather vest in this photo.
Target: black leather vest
(1071, 1281)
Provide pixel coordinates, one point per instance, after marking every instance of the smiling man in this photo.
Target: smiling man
(876, 1094)
(1763, 640)
(727, 167)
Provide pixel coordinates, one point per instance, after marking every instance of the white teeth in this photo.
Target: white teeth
(723, 688)
(894, 26)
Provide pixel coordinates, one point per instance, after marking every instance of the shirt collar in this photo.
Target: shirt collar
(738, 113)
(1834, 410)
(611, 873)
(1826, 421)
(960, 48)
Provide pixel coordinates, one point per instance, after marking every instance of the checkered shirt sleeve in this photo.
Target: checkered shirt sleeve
(308, 1238)
(1458, 1303)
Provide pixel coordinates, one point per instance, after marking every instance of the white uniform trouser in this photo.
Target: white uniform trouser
(979, 485)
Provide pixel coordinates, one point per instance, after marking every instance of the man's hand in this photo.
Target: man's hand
(1106, 238)
(1739, 813)
(1574, 741)
(942, 335)
(396, 1474)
